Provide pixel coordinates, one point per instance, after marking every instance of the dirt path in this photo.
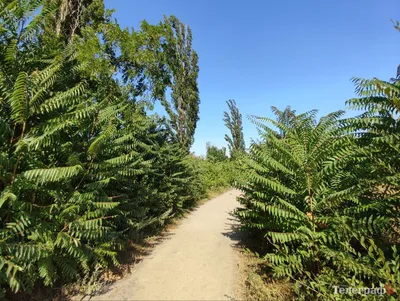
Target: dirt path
(196, 262)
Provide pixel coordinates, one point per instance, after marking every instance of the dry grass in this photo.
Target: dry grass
(253, 283)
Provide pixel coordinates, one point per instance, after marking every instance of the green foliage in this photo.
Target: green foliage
(215, 172)
(212, 176)
(217, 175)
(182, 64)
(233, 121)
(83, 166)
(215, 154)
(70, 16)
(323, 195)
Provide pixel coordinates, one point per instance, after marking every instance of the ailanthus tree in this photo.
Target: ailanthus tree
(233, 121)
(378, 133)
(323, 197)
(81, 161)
(182, 63)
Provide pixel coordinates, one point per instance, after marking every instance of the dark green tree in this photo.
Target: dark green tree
(233, 121)
(182, 62)
(83, 168)
(215, 154)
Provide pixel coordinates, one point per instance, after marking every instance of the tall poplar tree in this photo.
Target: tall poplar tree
(233, 121)
(182, 62)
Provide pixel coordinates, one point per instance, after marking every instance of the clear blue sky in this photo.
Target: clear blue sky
(276, 53)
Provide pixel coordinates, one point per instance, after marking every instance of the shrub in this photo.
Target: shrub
(83, 167)
(307, 189)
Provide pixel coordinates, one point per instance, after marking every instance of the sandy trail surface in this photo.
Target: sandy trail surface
(196, 261)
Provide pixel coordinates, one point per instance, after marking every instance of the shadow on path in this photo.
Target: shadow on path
(234, 232)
